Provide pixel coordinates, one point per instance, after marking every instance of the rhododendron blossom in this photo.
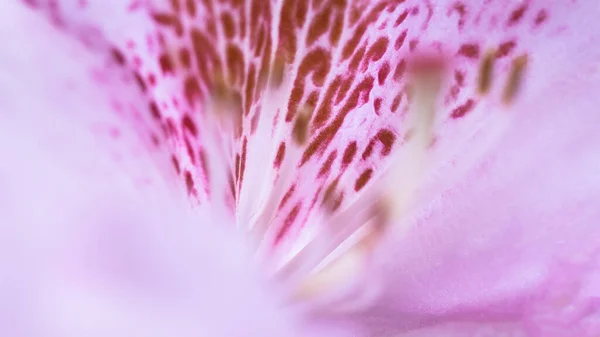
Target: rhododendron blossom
(300, 168)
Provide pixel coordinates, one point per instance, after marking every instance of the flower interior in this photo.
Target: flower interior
(317, 125)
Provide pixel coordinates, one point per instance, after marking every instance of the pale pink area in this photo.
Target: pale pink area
(500, 239)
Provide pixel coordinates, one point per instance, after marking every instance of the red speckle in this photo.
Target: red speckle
(189, 182)
(463, 109)
(516, 15)
(288, 222)
(175, 164)
(190, 151)
(327, 164)
(400, 69)
(541, 17)
(469, 50)
(188, 124)
(287, 196)
(191, 90)
(377, 105)
(190, 6)
(401, 18)
(185, 58)
(166, 64)
(358, 56)
(349, 154)
(228, 25)
(318, 26)
(152, 80)
(368, 150)
(505, 48)
(412, 45)
(140, 82)
(400, 40)
(154, 111)
(243, 159)
(459, 77)
(363, 179)
(324, 110)
(117, 56)
(280, 155)
(396, 102)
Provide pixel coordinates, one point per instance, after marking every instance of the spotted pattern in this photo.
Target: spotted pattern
(345, 59)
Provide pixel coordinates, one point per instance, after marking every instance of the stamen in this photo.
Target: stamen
(486, 73)
(277, 73)
(515, 79)
(300, 130)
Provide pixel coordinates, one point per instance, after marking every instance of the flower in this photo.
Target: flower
(256, 168)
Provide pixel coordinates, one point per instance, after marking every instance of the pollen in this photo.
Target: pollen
(515, 79)
(486, 73)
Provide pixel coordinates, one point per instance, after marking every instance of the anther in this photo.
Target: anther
(300, 130)
(486, 73)
(515, 79)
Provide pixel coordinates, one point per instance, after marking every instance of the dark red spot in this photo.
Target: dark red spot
(470, 50)
(318, 26)
(154, 110)
(228, 25)
(387, 138)
(237, 166)
(400, 69)
(188, 124)
(327, 164)
(336, 30)
(243, 160)
(463, 109)
(117, 56)
(401, 18)
(140, 82)
(505, 48)
(190, 6)
(176, 5)
(185, 58)
(166, 64)
(280, 155)
(287, 31)
(368, 150)
(349, 154)
(191, 90)
(383, 73)
(516, 15)
(190, 151)
(377, 105)
(301, 10)
(541, 17)
(175, 164)
(235, 63)
(358, 56)
(287, 196)
(363, 179)
(288, 222)
(189, 182)
(400, 40)
(459, 77)
(396, 102)
(413, 44)
(324, 110)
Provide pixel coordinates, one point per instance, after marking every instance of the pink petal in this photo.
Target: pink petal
(97, 239)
